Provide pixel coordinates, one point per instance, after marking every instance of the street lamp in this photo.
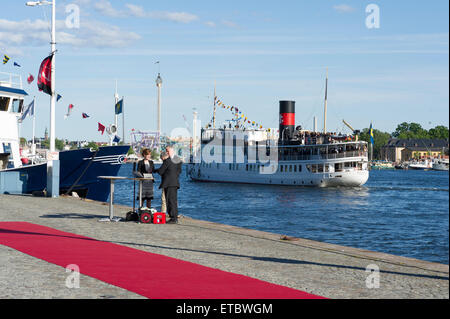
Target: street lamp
(159, 85)
(53, 163)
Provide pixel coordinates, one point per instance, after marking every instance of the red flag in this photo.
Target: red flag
(101, 128)
(30, 79)
(45, 76)
(68, 111)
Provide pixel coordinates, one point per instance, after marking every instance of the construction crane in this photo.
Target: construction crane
(355, 132)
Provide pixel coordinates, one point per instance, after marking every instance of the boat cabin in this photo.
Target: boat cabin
(12, 98)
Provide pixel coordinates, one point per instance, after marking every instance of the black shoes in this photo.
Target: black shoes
(172, 221)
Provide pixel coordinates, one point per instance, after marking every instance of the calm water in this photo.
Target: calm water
(398, 212)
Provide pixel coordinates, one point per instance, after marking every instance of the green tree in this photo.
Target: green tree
(130, 151)
(410, 130)
(379, 140)
(92, 145)
(59, 144)
(439, 132)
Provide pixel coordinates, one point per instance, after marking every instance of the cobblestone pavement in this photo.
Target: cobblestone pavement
(324, 269)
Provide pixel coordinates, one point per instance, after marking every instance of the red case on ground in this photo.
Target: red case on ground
(159, 218)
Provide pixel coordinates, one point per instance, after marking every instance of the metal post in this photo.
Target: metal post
(325, 106)
(53, 164)
(111, 200)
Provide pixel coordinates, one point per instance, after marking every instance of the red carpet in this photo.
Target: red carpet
(150, 275)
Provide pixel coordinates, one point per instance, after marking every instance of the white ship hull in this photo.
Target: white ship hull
(441, 166)
(348, 177)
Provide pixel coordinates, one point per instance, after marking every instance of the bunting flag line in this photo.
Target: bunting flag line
(30, 79)
(101, 128)
(68, 111)
(237, 113)
(44, 84)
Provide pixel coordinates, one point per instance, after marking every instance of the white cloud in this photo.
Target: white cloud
(343, 8)
(105, 8)
(210, 24)
(136, 11)
(181, 17)
(14, 34)
(229, 24)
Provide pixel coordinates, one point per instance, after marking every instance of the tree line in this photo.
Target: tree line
(403, 131)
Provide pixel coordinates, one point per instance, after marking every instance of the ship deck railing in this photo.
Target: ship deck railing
(323, 156)
(11, 80)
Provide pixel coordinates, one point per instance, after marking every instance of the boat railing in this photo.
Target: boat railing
(11, 80)
(324, 156)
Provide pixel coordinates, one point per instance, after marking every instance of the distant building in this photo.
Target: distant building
(400, 150)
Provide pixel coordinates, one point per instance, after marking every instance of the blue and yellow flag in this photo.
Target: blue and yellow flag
(119, 107)
(5, 59)
(371, 134)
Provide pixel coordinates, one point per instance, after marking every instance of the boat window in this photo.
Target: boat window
(281, 168)
(295, 168)
(4, 102)
(17, 105)
(290, 168)
(320, 168)
(299, 168)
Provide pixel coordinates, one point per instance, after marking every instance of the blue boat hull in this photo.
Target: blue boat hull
(79, 171)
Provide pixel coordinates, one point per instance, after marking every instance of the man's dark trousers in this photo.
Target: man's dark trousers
(171, 194)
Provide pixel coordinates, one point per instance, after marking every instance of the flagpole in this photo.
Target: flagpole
(53, 165)
(33, 145)
(214, 111)
(116, 116)
(123, 120)
(325, 106)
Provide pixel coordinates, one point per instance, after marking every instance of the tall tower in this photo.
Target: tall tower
(159, 85)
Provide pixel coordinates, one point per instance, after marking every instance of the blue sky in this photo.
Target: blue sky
(258, 52)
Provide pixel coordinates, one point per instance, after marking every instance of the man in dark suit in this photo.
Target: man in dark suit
(170, 171)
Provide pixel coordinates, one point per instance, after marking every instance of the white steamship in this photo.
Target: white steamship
(292, 157)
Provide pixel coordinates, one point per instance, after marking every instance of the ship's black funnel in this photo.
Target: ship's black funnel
(287, 120)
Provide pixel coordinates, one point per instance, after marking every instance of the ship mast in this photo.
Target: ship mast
(214, 112)
(325, 106)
